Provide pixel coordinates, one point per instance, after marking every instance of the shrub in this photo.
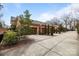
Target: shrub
(78, 30)
(13, 27)
(64, 29)
(77, 27)
(24, 30)
(60, 28)
(9, 38)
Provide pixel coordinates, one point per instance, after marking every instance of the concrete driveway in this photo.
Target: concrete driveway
(64, 44)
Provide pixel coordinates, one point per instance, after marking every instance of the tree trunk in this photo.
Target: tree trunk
(45, 29)
(48, 30)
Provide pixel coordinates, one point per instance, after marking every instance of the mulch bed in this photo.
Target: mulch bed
(20, 43)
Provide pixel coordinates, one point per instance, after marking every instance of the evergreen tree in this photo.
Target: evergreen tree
(1, 6)
(25, 23)
(27, 17)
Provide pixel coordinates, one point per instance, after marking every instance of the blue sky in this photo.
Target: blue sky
(39, 11)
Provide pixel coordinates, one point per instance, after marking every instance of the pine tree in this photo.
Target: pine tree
(1, 6)
(27, 17)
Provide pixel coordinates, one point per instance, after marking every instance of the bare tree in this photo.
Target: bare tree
(55, 21)
(70, 22)
(65, 19)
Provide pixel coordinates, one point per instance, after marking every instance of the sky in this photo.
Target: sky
(40, 11)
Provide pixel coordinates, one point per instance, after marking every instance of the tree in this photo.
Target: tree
(0, 24)
(1, 6)
(55, 21)
(13, 27)
(22, 20)
(65, 19)
(25, 24)
(27, 14)
(48, 29)
(60, 28)
(27, 17)
(70, 23)
(77, 26)
(45, 29)
(52, 30)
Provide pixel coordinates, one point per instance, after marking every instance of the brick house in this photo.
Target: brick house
(37, 26)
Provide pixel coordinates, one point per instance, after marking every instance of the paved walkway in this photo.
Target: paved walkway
(65, 44)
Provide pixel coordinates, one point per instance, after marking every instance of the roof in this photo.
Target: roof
(3, 30)
(37, 22)
(41, 23)
(14, 19)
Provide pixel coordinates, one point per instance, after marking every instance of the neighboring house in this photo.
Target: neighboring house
(37, 26)
(2, 30)
(15, 21)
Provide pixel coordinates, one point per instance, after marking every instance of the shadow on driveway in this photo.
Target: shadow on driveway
(21, 45)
